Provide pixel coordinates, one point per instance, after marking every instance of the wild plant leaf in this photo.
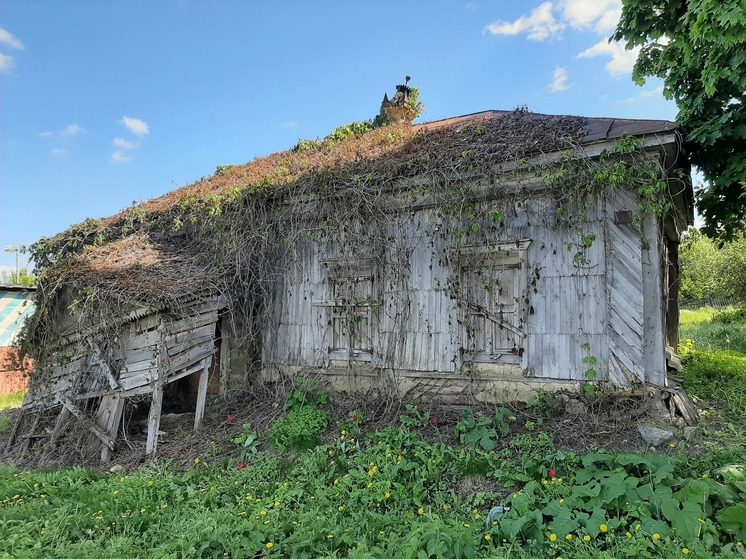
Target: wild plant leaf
(563, 523)
(733, 520)
(684, 517)
(613, 487)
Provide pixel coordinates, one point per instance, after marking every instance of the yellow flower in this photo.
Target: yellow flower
(545, 482)
(561, 501)
(604, 528)
(420, 511)
(121, 480)
(263, 513)
(637, 528)
(467, 525)
(269, 545)
(685, 551)
(116, 493)
(151, 484)
(586, 538)
(370, 486)
(656, 536)
(568, 537)
(629, 536)
(336, 482)
(488, 538)
(197, 460)
(553, 537)
(387, 495)
(705, 476)
(330, 537)
(164, 506)
(36, 486)
(277, 504)
(341, 509)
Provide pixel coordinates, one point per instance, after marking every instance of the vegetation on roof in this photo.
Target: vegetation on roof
(228, 233)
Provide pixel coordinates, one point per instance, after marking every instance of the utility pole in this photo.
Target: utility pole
(16, 250)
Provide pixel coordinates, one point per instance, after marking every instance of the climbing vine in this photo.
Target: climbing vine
(240, 231)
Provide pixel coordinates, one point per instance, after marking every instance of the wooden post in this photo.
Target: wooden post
(224, 359)
(654, 333)
(154, 416)
(201, 395)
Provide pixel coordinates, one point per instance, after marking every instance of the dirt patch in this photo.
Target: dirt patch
(584, 425)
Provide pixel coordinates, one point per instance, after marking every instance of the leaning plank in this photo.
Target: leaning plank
(108, 417)
(201, 395)
(156, 402)
(86, 421)
(154, 418)
(59, 425)
(97, 358)
(14, 432)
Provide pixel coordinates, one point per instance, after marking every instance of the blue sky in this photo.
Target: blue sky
(104, 103)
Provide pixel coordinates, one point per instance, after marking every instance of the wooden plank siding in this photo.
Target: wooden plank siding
(566, 308)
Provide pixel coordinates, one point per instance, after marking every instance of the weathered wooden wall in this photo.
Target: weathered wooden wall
(582, 307)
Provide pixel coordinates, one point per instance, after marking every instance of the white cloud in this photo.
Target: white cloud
(601, 15)
(72, 130)
(643, 95)
(57, 152)
(6, 63)
(472, 6)
(289, 124)
(46, 134)
(559, 83)
(124, 145)
(136, 126)
(121, 157)
(622, 61)
(538, 26)
(7, 38)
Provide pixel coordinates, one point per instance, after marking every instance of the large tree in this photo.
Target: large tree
(698, 49)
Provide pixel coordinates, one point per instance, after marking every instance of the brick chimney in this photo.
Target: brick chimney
(397, 109)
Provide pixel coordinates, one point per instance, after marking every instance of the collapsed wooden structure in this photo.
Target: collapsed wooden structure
(152, 351)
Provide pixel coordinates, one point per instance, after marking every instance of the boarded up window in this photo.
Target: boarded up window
(491, 294)
(353, 299)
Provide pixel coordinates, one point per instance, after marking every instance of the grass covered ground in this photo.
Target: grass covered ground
(318, 482)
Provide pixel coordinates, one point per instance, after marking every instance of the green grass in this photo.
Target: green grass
(713, 348)
(11, 401)
(390, 494)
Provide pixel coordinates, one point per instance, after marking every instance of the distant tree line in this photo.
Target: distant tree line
(23, 277)
(711, 269)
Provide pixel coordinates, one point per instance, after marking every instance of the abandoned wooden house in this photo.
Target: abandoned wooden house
(474, 258)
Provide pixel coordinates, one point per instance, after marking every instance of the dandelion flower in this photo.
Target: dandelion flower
(629, 536)
(151, 484)
(488, 538)
(341, 509)
(197, 460)
(420, 511)
(568, 537)
(269, 545)
(586, 538)
(685, 551)
(553, 537)
(604, 528)
(656, 536)
(387, 495)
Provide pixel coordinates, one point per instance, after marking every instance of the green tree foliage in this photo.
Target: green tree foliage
(698, 49)
(23, 277)
(712, 271)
